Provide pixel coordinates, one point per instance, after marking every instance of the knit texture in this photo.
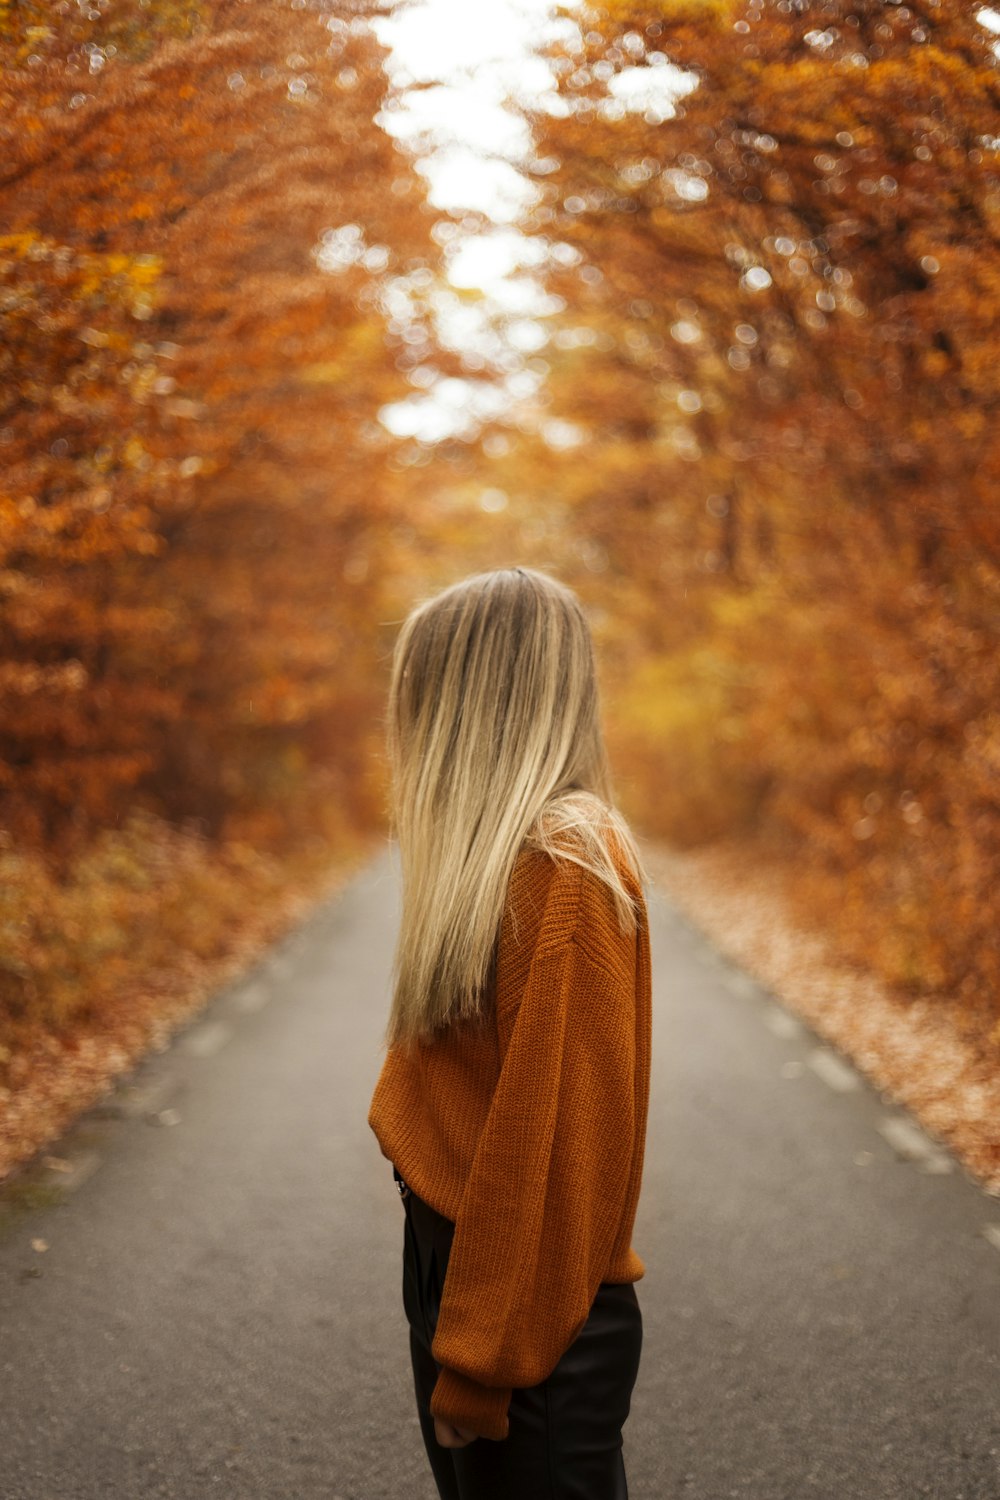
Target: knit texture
(526, 1128)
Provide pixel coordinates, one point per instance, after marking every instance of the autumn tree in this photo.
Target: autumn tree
(781, 277)
(213, 267)
(200, 217)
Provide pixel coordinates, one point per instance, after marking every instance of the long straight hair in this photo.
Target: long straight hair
(495, 744)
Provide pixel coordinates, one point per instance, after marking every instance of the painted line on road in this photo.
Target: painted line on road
(742, 986)
(281, 968)
(251, 998)
(910, 1143)
(835, 1073)
(71, 1172)
(780, 1023)
(208, 1039)
(136, 1101)
(904, 1135)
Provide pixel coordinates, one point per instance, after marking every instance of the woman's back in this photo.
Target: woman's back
(513, 1098)
(527, 1126)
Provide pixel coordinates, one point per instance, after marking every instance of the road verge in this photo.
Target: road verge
(915, 1051)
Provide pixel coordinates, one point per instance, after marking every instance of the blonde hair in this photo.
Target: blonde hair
(495, 744)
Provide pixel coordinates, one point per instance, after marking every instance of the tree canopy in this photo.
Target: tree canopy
(776, 235)
(760, 437)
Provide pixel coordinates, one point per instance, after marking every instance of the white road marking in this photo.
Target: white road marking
(937, 1165)
(741, 985)
(281, 966)
(835, 1073)
(208, 1039)
(911, 1144)
(252, 997)
(782, 1024)
(992, 1233)
(136, 1101)
(71, 1172)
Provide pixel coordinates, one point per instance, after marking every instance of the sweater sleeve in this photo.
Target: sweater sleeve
(543, 1202)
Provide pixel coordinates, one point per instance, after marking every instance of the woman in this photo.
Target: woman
(512, 1102)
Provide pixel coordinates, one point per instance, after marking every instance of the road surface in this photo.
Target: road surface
(199, 1294)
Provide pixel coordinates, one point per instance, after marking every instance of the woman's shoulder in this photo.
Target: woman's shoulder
(579, 829)
(540, 878)
(575, 874)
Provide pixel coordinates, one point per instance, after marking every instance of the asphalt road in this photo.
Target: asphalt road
(217, 1311)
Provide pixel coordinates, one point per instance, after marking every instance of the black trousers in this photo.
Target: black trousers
(565, 1439)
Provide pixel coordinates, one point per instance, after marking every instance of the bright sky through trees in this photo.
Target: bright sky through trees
(457, 68)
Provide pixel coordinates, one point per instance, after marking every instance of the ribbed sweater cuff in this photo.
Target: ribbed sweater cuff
(465, 1403)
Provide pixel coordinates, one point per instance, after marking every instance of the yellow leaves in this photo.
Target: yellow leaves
(327, 372)
(675, 727)
(128, 30)
(57, 284)
(140, 271)
(756, 608)
(357, 345)
(121, 277)
(19, 246)
(675, 12)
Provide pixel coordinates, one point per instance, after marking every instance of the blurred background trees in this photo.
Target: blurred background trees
(198, 209)
(762, 445)
(778, 353)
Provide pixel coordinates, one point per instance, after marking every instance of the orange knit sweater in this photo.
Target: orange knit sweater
(527, 1130)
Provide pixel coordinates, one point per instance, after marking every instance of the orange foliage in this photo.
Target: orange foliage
(199, 216)
(778, 350)
(765, 452)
